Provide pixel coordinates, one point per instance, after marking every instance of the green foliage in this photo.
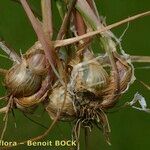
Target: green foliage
(130, 128)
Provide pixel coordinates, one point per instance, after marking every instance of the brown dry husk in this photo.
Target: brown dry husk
(85, 102)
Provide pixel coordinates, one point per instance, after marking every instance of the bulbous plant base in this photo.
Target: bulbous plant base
(79, 89)
(86, 106)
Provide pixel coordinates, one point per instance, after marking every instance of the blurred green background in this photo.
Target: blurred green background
(130, 128)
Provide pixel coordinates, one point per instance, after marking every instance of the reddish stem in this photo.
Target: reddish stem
(47, 18)
(63, 28)
(46, 44)
(79, 23)
(90, 2)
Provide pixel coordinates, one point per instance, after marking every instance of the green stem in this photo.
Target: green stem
(61, 9)
(87, 13)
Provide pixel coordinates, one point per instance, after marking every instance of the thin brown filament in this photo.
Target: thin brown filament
(65, 42)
